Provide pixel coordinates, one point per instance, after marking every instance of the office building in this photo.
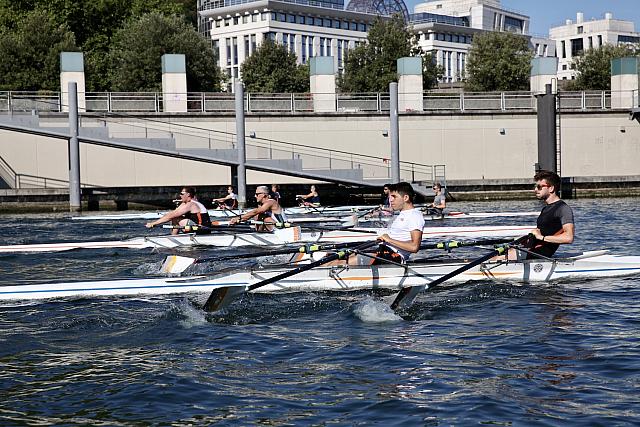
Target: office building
(573, 38)
(310, 28)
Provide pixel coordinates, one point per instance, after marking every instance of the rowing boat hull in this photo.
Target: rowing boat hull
(339, 278)
(280, 237)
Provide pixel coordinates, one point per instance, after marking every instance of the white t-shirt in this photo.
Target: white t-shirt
(402, 226)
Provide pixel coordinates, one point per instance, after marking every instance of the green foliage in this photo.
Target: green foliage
(33, 46)
(137, 48)
(594, 66)
(273, 69)
(498, 62)
(372, 66)
(93, 22)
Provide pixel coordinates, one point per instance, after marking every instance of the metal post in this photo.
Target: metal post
(242, 157)
(74, 150)
(394, 129)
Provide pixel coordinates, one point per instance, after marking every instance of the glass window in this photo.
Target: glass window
(235, 51)
(218, 23)
(236, 20)
(353, 26)
(322, 42)
(310, 20)
(254, 17)
(344, 25)
(319, 22)
(245, 19)
(265, 16)
(253, 43)
(336, 23)
(216, 51)
(362, 27)
(304, 49)
(300, 19)
(281, 17)
(327, 23)
(310, 46)
(228, 44)
(328, 47)
(227, 22)
(247, 47)
(291, 18)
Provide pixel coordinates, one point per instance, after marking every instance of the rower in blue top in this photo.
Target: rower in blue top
(311, 199)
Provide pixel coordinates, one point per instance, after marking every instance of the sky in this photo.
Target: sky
(551, 13)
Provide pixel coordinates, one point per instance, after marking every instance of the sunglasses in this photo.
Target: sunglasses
(183, 193)
(540, 186)
(257, 194)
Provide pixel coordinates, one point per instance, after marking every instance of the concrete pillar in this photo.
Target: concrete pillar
(394, 132)
(240, 136)
(544, 71)
(322, 76)
(72, 70)
(174, 83)
(410, 84)
(547, 135)
(624, 82)
(75, 204)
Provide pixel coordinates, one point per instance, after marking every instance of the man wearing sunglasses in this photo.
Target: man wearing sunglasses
(189, 213)
(555, 223)
(268, 211)
(439, 201)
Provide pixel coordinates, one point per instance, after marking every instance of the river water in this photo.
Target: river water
(563, 353)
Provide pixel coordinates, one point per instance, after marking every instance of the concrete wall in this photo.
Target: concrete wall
(471, 147)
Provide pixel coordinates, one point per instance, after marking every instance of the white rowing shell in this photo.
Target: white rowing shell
(589, 265)
(278, 237)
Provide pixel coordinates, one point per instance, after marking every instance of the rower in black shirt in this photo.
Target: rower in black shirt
(555, 224)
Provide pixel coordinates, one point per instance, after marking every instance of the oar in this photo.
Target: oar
(406, 295)
(176, 264)
(223, 296)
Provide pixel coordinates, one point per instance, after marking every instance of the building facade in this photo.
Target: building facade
(574, 38)
(309, 28)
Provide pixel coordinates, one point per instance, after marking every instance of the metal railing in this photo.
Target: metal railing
(287, 103)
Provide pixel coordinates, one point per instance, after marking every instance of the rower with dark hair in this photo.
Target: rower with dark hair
(230, 201)
(555, 224)
(189, 213)
(404, 236)
(439, 201)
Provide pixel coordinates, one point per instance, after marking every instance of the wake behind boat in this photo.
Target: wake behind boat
(344, 278)
(279, 237)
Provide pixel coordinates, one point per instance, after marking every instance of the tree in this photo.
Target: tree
(137, 48)
(498, 62)
(273, 69)
(32, 52)
(594, 66)
(370, 67)
(93, 22)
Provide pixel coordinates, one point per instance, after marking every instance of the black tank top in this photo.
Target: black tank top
(550, 222)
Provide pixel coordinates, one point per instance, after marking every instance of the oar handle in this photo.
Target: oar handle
(324, 260)
(498, 251)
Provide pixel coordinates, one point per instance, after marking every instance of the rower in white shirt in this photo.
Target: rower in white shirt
(404, 236)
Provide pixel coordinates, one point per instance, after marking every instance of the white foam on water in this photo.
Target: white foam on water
(190, 316)
(374, 311)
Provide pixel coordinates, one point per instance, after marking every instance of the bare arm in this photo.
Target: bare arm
(565, 236)
(413, 246)
(248, 215)
(178, 212)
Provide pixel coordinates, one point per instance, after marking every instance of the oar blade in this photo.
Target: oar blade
(222, 297)
(406, 296)
(176, 264)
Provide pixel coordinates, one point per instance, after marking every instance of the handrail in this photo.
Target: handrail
(294, 103)
(6, 167)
